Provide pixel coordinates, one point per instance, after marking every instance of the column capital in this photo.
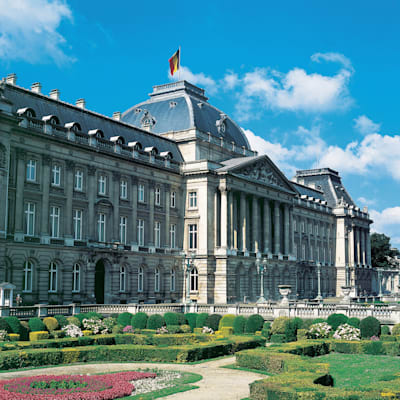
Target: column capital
(222, 187)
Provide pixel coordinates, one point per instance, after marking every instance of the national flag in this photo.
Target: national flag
(174, 62)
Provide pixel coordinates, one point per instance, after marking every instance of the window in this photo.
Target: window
(78, 180)
(31, 171)
(54, 222)
(193, 236)
(302, 226)
(157, 280)
(192, 199)
(173, 280)
(173, 200)
(53, 277)
(122, 279)
(78, 224)
(303, 252)
(157, 196)
(294, 225)
(140, 279)
(56, 175)
(141, 193)
(316, 229)
(317, 254)
(76, 278)
(101, 227)
(102, 184)
(122, 229)
(324, 260)
(124, 189)
(330, 256)
(322, 230)
(194, 279)
(30, 209)
(295, 250)
(28, 272)
(157, 234)
(328, 232)
(172, 236)
(310, 228)
(140, 232)
(311, 253)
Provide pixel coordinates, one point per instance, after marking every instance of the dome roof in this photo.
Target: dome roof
(180, 106)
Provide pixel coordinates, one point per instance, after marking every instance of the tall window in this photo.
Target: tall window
(322, 230)
(157, 234)
(324, 260)
(140, 279)
(173, 280)
(76, 278)
(173, 200)
(328, 232)
(303, 252)
(54, 222)
(141, 193)
(302, 226)
(122, 279)
(295, 250)
(122, 229)
(194, 279)
(140, 232)
(28, 272)
(294, 225)
(56, 175)
(124, 189)
(101, 227)
(31, 171)
(317, 254)
(310, 228)
(78, 224)
(157, 196)
(102, 184)
(157, 280)
(193, 236)
(30, 210)
(172, 236)
(311, 253)
(78, 180)
(192, 199)
(53, 277)
(316, 229)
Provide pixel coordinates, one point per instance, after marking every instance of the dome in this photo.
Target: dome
(180, 106)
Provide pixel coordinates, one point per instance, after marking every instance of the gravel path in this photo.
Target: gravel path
(217, 383)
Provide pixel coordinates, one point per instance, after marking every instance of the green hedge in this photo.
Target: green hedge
(239, 324)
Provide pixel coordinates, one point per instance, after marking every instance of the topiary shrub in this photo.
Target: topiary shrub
(307, 323)
(212, 321)
(139, 320)
(334, 320)
(254, 323)
(201, 320)
(93, 314)
(155, 321)
(181, 319)
(24, 335)
(171, 318)
(266, 330)
(355, 322)
(227, 320)
(385, 330)
(174, 329)
(369, 327)
(62, 320)
(185, 328)
(317, 321)
(51, 323)
(124, 319)
(298, 323)
(74, 321)
(191, 319)
(291, 330)
(4, 325)
(14, 324)
(396, 330)
(279, 325)
(239, 324)
(36, 325)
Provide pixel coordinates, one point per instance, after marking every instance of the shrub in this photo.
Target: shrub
(73, 321)
(266, 332)
(81, 317)
(307, 323)
(173, 329)
(385, 330)
(278, 338)
(62, 320)
(24, 330)
(139, 320)
(4, 326)
(117, 329)
(191, 319)
(72, 331)
(14, 324)
(334, 320)
(4, 336)
(302, 334)
(319, 331)
(155, 321)
(51, 323)
(291, 330)
(38, 335)
(186, 329)
(239, 324)
(201, 320)
(212, 321)
(298, 323)
(171, 318)
(57, 334)
(181, 319)
(354, 322)
(317, 321)
(227, 320)
(347, 332)
(36, 325)
(124, 319)
(370, 326)
(254, 323)
(396, 330)
(226, 330)
(279, 325)
(93, 314)
(14, 337)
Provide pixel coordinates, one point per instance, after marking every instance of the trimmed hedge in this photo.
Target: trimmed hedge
(124, 319)
(191, 320)
(396, 330)
(369, 327)
(139, 320)
(62, 320)
(254, 323)
(354, 322)
(36, 324)
(201, 320)
(239, 324)
(4, 325)
(334, 320)
(227, 321)
(279, 325)
(51, 323)
(38, 335)
(171, 318)
(212, 321)
(385, 330)
(155, 321)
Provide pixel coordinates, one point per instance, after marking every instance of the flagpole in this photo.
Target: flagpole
(179, 66)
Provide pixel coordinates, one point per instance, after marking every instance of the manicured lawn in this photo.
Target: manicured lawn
(356, 370)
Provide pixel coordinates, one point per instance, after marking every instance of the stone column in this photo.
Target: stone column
(167, 189)
(351, 246)
(368, 247)
(224, 217)
(19, 198)
(68, 220)
(151, 214)
(286, 230)
(277, 230)
(267, 227)
(235, 222)
(363, 250)
(44, 225)
(92, 191)
(134, 210)
(291, 229)
(231, 219)
(216, 220)
(358, 246)
(115, 200)
(243, 220)
(255, 222)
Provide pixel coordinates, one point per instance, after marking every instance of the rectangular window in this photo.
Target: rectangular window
(302, 226)
(317, 254)
(157, 234)
(76, 278)
(322, 230)
(316, 229)
(78, 224)
(310, 228)
(294, 225)
(56, 175)
(30, 210)
(173, 200)
(122, 229)
(52, 278)
(102, 184)
(328, 232)
(324, 260)
(140, 232)
(124, 189)
(54, 222)
(193, 236)
(101, 227)
(303, 252)
(295, 250)
(311, 253)
(31, 171)
(78, 180)
(141, 193)
(192, 199)
(157, 196)
(172, 236)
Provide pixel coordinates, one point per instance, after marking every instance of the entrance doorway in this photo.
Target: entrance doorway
(99, 282)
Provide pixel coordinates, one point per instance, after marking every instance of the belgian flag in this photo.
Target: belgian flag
(174, 61)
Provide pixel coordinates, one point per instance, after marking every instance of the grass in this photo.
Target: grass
(357, 370)
(256, 371)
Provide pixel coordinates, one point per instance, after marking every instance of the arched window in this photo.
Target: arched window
(76, 278)
(28, 272)
(53, 277)
(194, 279)
(140, 279)
(157, 280)
(122, 279)
(173, 280)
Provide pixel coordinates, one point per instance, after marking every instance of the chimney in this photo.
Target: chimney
(55, 94)
(36, 87)
(81, 103)
(117, 116)
(11, 79)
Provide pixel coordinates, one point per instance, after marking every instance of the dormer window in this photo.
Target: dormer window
(147, 121)
(172, 104)
(221, 124)
(138, 110)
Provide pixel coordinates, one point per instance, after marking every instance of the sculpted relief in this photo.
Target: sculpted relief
(262, 172)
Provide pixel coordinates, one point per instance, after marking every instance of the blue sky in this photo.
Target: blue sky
(312, 83)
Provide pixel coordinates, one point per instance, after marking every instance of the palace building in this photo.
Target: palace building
(165, 202)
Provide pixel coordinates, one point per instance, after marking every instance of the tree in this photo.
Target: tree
(381, 251)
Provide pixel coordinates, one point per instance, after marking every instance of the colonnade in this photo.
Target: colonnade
(359, 246)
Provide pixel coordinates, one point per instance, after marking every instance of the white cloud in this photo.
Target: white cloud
(365, 125)
(201, 79)
(366, 202)
(387, 221)
(29, 30)
(333, 57)
(231, 80)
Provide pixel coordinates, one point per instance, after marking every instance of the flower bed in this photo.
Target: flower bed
(71, 387)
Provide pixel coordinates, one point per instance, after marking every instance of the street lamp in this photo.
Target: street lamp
(319, 297)
(260, 269)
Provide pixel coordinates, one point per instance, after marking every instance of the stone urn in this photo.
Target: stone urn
(284, 291)
(346, 294)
